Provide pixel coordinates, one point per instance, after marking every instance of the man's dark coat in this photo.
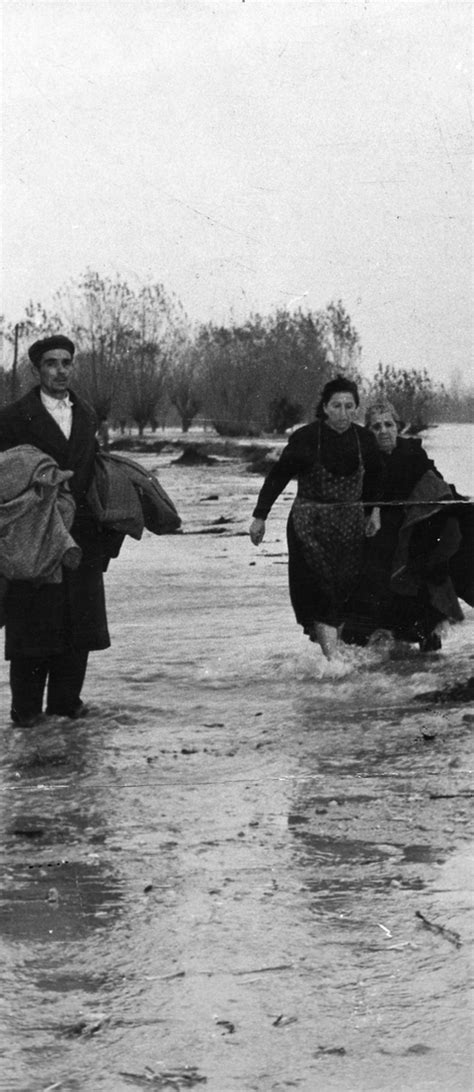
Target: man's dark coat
(52, 619)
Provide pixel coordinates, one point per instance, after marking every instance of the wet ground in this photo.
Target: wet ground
(243, 870)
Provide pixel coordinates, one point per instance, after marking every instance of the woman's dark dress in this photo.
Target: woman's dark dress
(337, 473)
(375, 604)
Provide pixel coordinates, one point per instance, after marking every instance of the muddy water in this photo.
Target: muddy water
(215, 880)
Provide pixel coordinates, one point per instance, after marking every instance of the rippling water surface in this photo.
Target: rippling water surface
(216, 879)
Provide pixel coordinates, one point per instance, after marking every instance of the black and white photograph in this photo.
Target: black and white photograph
(236, 546)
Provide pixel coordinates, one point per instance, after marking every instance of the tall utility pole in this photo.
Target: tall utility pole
(15, 363)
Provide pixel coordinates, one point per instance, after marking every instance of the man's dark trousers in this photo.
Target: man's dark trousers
(64, 674)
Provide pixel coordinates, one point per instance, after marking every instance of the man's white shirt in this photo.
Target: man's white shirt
(61, 410)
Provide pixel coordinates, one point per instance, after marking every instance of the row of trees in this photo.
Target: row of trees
(140, 361)
(126, 342)
(138, 356)
(418, 400)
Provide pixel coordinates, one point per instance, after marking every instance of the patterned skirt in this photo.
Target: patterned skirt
(325, 551)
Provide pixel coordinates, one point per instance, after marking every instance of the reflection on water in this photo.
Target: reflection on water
(57, 891)
(56, 901)
(369, 861)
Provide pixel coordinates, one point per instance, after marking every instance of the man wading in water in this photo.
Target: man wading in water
(52, 627)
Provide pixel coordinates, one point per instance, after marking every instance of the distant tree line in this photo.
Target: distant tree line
(420, 401)
(142, 364)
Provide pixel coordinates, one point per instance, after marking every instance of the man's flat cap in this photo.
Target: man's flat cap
(58, 341)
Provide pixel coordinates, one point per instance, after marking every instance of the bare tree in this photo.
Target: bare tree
(124, 340)
(267, 373)
(413, 394)
(341, 338)
(158, 325)
(98, 311)
(17, 336)
(184, 383)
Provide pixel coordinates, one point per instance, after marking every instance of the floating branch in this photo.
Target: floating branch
(449, 934)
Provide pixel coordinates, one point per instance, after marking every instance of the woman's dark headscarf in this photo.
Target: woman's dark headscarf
(339, 385)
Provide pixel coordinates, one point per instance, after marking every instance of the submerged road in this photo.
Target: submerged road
(239, 872)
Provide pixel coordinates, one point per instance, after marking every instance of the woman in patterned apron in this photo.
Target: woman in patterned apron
(338, 467)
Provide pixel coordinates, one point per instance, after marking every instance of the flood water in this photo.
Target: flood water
(215, 880)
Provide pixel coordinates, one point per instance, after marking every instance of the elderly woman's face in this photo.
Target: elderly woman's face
(385, 431)
(340, 411)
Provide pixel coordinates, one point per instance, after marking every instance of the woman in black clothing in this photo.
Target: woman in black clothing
(405, 585)
(337, 466)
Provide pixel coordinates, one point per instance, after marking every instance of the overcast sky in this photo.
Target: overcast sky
(248, 155)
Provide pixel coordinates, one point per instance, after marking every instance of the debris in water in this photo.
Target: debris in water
(192, 456)
(227, 1024)
(186, 1077)
(86, 1026)
(461, 692)
(329, 1050)
(403, 944)
(283, 1021)
(449, 934)
(28, 832)
(386, 931)
(450, 795)
(208, 531)
(262, 970)
(164, 977)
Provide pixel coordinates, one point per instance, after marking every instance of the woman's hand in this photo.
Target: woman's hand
(372, 524)
(257, 531)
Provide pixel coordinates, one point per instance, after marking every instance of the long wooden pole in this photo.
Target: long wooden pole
(15, 363)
